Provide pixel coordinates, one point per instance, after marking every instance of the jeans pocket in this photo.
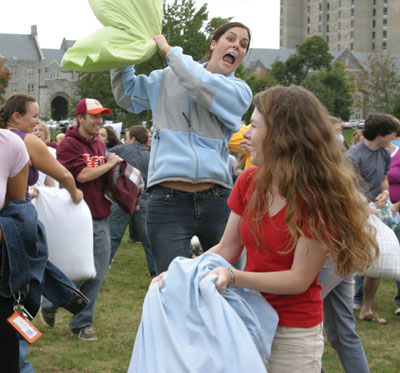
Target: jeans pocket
(158, 198)
(222, 193)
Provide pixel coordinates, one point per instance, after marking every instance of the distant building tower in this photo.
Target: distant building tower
(358, 25)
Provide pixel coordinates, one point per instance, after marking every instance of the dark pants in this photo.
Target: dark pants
(9, 350)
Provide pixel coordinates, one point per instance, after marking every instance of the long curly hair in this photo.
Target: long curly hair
(303, 159)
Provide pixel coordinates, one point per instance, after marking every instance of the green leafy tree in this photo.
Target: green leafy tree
(4, 79)
(311, 55)
(333, 88)
(377, 87)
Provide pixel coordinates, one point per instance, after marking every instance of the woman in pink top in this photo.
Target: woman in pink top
(13, 180)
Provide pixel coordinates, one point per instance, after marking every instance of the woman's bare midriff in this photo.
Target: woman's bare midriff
(187, 187)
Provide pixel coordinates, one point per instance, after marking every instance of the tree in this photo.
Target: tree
(311, 55)
(4, 79)
(333, 89)
(377, 86)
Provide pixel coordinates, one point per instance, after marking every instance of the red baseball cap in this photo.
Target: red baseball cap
(91, 106)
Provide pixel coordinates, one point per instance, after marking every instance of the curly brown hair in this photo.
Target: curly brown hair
(313, 175)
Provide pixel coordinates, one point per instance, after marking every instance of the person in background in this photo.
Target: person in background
(394, 194)
(356, 137)
(135, 153)
(196, 108)
(371, 159)
(60, 137)
(288, 214)
(83, 154)
(14, 167)
(109, 137)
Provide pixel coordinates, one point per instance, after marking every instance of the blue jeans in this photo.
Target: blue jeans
(119, 220)
(339, 323)
(90, 287)
(24, 365)
(174, 217)
(359, 293)
(397, 298)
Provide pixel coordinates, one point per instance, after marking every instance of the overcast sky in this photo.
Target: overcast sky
(74, 19)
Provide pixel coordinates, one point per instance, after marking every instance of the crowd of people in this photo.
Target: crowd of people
(295, 205)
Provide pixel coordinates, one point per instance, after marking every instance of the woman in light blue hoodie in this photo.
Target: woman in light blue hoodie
(196, 109)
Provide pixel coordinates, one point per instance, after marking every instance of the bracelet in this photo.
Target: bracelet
(232, 281)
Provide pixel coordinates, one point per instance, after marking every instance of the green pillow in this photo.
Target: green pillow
(125, 40)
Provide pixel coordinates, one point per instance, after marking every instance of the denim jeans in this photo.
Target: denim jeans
(119, 220)
(174, 217)
(90, 287)
(24, 365)
(339, 323)
(359, 293)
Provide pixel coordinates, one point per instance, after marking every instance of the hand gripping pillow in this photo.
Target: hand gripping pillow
(125, 40)
(69, 232)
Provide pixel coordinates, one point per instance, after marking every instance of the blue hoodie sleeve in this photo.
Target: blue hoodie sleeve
(226, 97)
(135, 93)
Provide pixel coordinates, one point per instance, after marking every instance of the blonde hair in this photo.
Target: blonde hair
(46, 131)
(356, 137)
(312, 174)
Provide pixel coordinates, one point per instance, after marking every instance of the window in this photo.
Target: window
(339, 37)
(327, 38)
(327, 17)
(340, 14)
(373, 34)
(384, 45)
(308, 19)
(373, 23)
(352, 23)
(351, 46)
(30, 87)
(373, 12)
(374, 2)
(320, 17)
(373, 46)
(385, 22)
(352, 2)
(327, 28)
(352, 12)
(385, 11)
(319, 28)
(308, 9)
(13, 87)
(339, 26)
(351, 34)
(384, 34)
(308, 30)
(30, 73)
(320, 7)
(385, 1)
(13, 70)
(340, 3)
(327, 6)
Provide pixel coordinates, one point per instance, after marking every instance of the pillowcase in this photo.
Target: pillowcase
(125, 40)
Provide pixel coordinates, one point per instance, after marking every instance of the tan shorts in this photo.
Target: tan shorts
(296, 350)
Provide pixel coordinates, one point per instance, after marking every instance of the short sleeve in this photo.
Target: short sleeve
(240, 196)
(18, 155)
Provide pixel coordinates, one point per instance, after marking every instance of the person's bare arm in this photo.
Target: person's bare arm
(16, 187)
(44, 161)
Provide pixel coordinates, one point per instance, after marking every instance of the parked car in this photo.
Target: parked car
(346, 125)
(361, 123)
(64, 124)
(52, 124)
(354, 123)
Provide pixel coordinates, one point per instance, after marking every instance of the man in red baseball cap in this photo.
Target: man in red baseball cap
(83, 153)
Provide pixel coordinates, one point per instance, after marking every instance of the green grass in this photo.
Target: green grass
(118, 313)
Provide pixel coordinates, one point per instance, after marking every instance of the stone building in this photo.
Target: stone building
(38, 72)
(357, 25)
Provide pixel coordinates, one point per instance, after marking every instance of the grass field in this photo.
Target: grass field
(118, 314)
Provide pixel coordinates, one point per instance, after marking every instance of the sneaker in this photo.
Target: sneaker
(397, 312)
(356, 306)
(48, 318)
(87, 334)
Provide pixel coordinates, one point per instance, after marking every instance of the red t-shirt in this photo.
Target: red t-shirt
(301, 310)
